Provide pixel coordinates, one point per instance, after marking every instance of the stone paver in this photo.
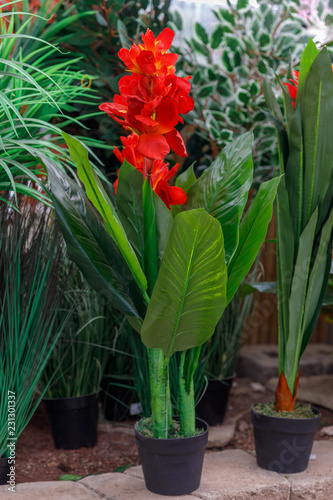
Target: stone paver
(117, 486)
(221, 435)
(227, 475)
(316, 483)
(52, 490)
(234, 475)
(260, 362)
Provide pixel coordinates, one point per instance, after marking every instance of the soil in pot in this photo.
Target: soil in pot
(119, 399)
(172, 466)
(73, 421)
(213, 403)
(283, 444)
(4, 470)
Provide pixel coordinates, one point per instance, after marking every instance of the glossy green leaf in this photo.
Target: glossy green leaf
(308, 56)
(91, 247)
(317, 121)
(186, 179)
(253, 229)
(297, 301)
(164, 220)
(129, 206)
(222, 189)
(99, 198)
(149, 234)
(190, 293)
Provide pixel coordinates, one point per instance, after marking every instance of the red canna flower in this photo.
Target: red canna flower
(292, 87)
(159, 172)
(152, 98)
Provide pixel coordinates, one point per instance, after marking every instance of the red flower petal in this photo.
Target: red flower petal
(146, 61)
(149, 39)
(176, 142)
(153, 146)
(170, 195)
(166, 37)
(185, 104)
(167, 115)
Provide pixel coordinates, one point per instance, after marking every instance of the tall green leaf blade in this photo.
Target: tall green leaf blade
(285, 263)
(190, 293)
(129, 206)
(309, 55)
(99, 198)
(150, 240)
(294, 174)
(184, 181)
(297, 301)
(164, 222)
(317, 118)
(222, 189)
(91, 247)
(252, 233)
(318, 280)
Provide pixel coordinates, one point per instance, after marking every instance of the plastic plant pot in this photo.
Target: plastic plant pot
(283, 444)
(172, 466)
(73, 421)
(4, 470)
(213, 404)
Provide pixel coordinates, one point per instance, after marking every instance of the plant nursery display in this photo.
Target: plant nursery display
(304, 214)
(73, 374)
(170, 271)
(32, 283)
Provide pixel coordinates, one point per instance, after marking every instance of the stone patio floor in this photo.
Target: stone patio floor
(227, 475)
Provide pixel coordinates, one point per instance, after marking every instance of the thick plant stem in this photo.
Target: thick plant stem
(186, 391)
(160, 392)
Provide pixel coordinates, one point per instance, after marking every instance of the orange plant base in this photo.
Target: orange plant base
(284, 400)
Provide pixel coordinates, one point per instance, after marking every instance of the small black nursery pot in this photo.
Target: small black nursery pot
(4, 470)
(172, 466)
(213, 403)
(73, 421)
(284, 444)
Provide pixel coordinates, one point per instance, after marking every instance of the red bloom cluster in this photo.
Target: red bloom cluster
(152, 98)
(150, 103)
(160, 173)
(292, 87)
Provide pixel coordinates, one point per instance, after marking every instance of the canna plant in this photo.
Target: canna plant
(304, 210)
(169, 257)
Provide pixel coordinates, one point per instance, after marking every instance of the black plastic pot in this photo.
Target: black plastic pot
(117, 396)
(73, 421)
(172, 466)
(284, 444)
(4, 470)
(213, 403)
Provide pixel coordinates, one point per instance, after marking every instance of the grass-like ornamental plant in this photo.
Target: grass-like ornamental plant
(41, 90)
(32, 282)
(304, 210)
(170, 271)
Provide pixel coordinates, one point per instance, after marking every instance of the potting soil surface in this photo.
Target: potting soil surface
(39, 460)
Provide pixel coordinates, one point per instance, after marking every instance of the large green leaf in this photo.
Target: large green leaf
(91, 247)
(190, 293)
(252, 233)
(297, 301)
(309, 55)
(99, 198)
(129, 206)
(222, 189)
(285, 263)
(318, 281)
(317, 120)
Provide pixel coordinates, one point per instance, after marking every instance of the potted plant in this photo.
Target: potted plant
(171, 272)
(31, 288)
(73, 374)
(304, 247)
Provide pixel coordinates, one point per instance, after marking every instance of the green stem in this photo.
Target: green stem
(160, 392)
(187, 368)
